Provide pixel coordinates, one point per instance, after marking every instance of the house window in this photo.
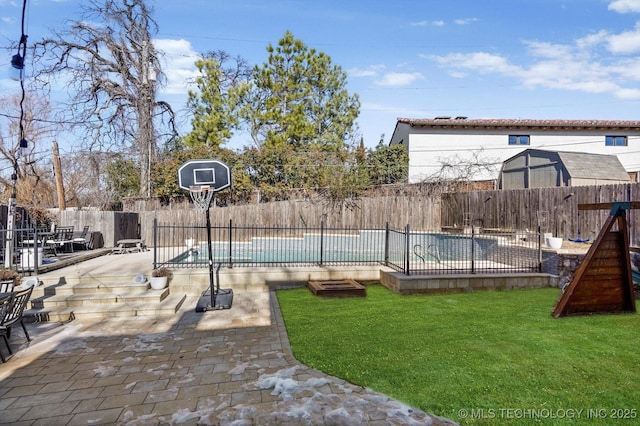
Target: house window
(615, 141)
(518, 139)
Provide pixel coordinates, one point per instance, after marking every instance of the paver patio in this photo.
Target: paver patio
(187, 369)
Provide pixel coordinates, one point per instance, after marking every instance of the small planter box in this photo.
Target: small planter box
(341, 288)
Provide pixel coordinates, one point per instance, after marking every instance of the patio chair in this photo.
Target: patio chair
(6, 286)
(62, 238)
(14, 313)
(5, 302)
(31, 241)
(81, 240)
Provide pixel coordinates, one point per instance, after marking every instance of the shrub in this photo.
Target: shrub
(161, 272)
(8, 275)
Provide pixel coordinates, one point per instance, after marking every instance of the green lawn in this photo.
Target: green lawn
(498, 355)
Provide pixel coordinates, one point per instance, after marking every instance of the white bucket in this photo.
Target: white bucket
(554, 242)
(27, 259)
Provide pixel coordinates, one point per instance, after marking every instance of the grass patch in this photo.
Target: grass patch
(490, 351)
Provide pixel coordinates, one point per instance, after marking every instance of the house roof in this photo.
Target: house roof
(464, 122)
(582, 165)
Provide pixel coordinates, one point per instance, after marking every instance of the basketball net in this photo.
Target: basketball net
(201, 196)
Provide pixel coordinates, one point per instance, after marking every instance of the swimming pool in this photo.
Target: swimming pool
(421, 251)
(310, 248)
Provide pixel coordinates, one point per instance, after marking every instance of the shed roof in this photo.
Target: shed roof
(583, 165)
(593, 166)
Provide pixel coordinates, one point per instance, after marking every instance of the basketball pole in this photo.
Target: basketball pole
(213, 296)
(217, 299)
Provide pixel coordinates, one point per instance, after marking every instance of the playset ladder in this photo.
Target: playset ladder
(603, 282)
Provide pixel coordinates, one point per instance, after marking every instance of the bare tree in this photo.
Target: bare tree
(112, 72)
(27, 168)
(456, 170)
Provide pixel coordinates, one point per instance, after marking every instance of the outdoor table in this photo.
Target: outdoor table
(42, 238)
(130, 245)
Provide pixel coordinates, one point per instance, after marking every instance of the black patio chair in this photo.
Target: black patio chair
(5, 303)
(14, 313)
(7, 286)
(61, 239)
(81, 240)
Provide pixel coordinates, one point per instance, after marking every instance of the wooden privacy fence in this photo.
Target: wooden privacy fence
(555, 209)
(112, 225)
(421, 211)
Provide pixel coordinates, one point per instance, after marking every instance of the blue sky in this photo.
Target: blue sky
(533, 59)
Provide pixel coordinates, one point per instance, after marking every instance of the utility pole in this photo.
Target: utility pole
(57, 169)
(145, 105)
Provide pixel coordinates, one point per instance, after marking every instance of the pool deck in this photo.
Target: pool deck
(219, 367)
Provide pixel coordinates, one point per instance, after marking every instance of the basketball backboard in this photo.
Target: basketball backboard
(204, 172)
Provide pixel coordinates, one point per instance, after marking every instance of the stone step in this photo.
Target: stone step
(90, 299)
(192, 282)
(89, 288)
(169, 306)
(71, 279)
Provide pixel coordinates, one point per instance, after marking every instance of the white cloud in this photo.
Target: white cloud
(398, 79)
(626, 42)
(178, 64)
(592, 40)
(479, 61)
(465, 21)
(372, 71)
(591, 64)
(427, 23)
(625, 6)
(548, 50)
(578, 67)
(630, 94)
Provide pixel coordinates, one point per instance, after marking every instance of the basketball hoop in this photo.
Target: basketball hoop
(201, 196)
(203, 178)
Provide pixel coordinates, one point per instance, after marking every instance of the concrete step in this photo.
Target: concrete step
(92, 299)
(169, 306)
(88, 288)
(72, 279)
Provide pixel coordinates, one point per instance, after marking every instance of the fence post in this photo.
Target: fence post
(321, 242)
(230, 244)
(155, 243)
(539, 249)
(386, 244)
(407, 249)
(473, 250)
(36, 249)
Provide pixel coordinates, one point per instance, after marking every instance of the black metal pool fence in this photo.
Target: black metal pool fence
(410, 252)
